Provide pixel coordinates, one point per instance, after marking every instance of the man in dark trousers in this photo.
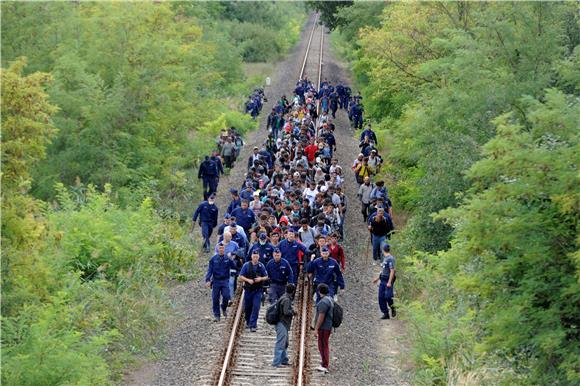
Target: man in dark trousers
(253, 274)
(208, 173)
(217, 278)
(324, 309)
(207, 212)
(286, 312)
(387, 285)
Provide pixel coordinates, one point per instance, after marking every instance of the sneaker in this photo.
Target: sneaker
(216, 319)
(323, 369)
(374, 262)
(225, 313)
(252, 329)
(385, 316)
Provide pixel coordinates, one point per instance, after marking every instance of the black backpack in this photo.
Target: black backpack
(273, 313)
(336, 314)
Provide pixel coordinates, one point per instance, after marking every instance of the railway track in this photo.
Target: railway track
(246, 356)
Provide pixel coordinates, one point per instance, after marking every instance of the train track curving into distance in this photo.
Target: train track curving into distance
(246, 357)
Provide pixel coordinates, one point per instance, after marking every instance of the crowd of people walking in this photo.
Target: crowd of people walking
(288, 213)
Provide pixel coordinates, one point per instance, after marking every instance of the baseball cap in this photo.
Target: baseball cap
(227, 215)
(386, 247)
(234, 191)
(233, 225)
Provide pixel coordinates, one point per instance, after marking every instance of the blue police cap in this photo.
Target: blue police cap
(227, 215)
(386, 247)
(263, 236)
(233, 225)
(324, 249)
(234, 191)
(277, 250)
(212, 196)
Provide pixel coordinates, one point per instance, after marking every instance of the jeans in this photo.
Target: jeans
(252, 302)
(378, 242)
(323, 347)
(233, 283)
(386, 296)
(220, 287)
(281, 347)
(275, 292)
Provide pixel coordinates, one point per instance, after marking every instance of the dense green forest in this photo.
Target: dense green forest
(106, 110)
(477, 106)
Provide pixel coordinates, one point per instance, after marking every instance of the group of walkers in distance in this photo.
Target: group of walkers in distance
(255, 102)
(287, 216)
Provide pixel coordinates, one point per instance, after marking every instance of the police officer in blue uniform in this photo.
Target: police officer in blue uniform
(290, 248)
(387, 278)
(325, 270)
(207, 212)
(217, 278)
(253, 274)
(208, 173)
(280, 273)
(245, 217)
(264, 248)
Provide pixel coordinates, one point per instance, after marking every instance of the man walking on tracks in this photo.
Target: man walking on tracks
(207, 212)
(253, 274)
(285, 312)
(218, 278)
(323, 328)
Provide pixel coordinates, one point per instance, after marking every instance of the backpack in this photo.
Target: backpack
(273, 313)
(212, 169)
(336, 314)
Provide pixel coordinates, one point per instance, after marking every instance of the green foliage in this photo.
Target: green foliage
(138, 92)
(483, 154)
(328, 11)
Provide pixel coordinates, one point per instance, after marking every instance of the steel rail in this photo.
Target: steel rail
(308, 47)
(232, 340)
(301, 379)
(231, 343)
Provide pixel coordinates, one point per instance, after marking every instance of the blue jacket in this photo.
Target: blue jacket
(290, 250)
(234, 204)
(208, 169)
(247, 194)
(266, 251)
(325, 271)
(369, 133)
(232, 247)
(219, 268)
(281, 272)
(245, 218)
(219, 165)
(207, 214)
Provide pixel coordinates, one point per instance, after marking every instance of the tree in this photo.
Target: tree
(328, 11)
